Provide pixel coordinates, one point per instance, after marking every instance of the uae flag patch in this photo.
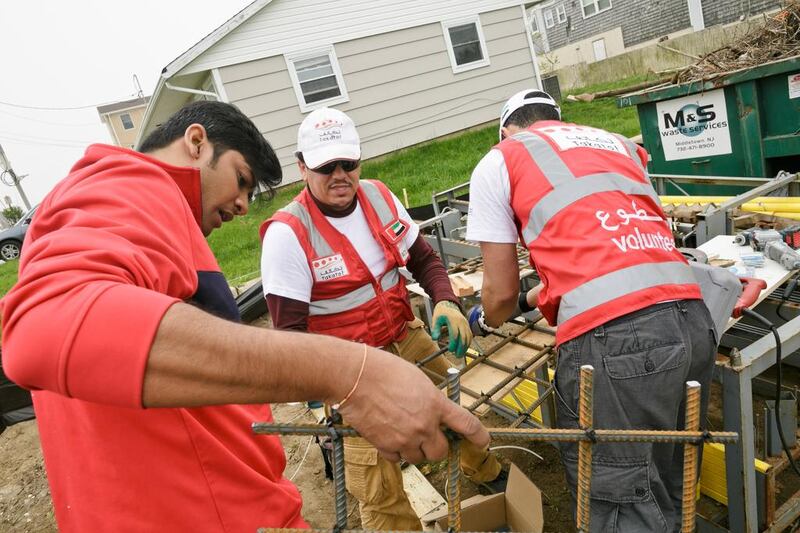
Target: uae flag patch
(396, 230)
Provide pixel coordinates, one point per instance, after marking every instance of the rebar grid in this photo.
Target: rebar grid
(690, 458)
(585, 435)
(585, 417)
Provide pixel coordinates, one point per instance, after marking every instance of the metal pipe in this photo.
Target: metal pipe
(690, 458)
(454, 459)
(585, 417)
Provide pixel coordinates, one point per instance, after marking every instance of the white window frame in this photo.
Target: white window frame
(597, 8)
(308, 54)
(561, 13)
(446, 25)
(549, 19)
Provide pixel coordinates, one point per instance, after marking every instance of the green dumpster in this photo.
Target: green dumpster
(745, 123)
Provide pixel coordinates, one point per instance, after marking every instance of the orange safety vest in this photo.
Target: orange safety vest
(347, 301)
(593, 224)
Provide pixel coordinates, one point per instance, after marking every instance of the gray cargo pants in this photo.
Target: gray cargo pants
(641, 362)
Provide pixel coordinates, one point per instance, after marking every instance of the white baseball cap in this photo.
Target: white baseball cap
(520, 100)
(326, 135)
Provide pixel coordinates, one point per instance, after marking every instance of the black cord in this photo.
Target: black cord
(787, 291)
(778, 384)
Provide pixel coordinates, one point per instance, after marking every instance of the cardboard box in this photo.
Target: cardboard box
(519, 508)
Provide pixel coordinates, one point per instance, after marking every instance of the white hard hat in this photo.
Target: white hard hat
(521, 99)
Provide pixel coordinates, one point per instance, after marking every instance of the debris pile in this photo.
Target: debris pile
(778, 38)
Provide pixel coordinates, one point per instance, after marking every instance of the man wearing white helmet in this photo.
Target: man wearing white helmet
(330, 264)
(622, 297)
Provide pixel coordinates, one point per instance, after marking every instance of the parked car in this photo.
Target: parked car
(11, 238)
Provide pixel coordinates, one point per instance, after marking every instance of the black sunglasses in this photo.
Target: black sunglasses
(346, 164)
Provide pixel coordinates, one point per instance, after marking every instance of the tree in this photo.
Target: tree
(12, 213)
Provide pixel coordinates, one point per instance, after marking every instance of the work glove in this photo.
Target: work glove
(447, 314)
(477, 324)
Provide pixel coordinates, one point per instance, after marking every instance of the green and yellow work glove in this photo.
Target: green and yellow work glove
(447, 314)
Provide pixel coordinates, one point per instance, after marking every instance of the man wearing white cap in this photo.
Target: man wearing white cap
(622, 297)
(330, 264)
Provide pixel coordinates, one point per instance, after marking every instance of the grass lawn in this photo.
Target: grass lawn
(420, 170)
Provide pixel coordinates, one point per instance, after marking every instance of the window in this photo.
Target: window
(549, 22)
(593, 7)
(316, 78)
(534, 23)
(127, 121)
(561, 14)
(465, 44)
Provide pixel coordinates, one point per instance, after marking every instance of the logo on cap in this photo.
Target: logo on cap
(327, 123)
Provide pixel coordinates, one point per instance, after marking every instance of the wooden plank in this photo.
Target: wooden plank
(423, 497)
(461, 287)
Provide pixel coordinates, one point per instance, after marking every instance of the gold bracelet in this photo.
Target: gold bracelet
(337, 406)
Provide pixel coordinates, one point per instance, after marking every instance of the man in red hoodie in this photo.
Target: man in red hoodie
(144, 383)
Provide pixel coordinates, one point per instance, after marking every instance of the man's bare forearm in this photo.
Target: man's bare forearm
(500, 288)
(198, 359)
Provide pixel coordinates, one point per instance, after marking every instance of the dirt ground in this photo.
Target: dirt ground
(24, 496)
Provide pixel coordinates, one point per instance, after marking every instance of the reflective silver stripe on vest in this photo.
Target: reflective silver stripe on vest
(562, 197)
(320, 245)
(619, 283)
(568, 189)
(547, 159)
(378, 202)
(390, 279)
(353, 299)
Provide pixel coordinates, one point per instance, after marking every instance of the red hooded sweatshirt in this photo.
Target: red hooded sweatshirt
(110, 249)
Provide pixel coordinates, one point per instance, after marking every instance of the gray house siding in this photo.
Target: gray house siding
(645, 20)
(726, 11)
(640, 21)
(401, 87)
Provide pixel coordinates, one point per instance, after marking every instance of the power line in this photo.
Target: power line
(12, 140)
(49, 123)
(24, 137)
(46, 108)
(61, 124)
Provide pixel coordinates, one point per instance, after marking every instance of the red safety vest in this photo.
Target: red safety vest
(593, 224)
(347, 301)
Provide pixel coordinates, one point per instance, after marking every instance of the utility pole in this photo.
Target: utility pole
(10, 178)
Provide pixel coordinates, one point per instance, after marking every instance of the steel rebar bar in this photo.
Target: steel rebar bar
(533, 434)
(454, 460)
(585, 417)
(690, 458)
(340, 494)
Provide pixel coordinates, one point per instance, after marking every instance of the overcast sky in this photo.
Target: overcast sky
(82, 53)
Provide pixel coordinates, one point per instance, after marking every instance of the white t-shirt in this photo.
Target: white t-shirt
(491, 218)
(284, 267)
